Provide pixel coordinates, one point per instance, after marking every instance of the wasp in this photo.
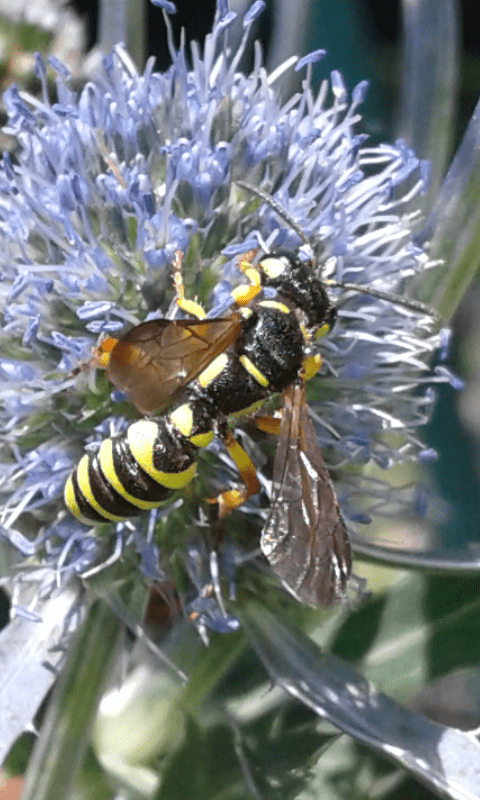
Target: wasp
(206, 370)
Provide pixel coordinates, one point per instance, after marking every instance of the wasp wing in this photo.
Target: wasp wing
(156, 359)
(305, 538)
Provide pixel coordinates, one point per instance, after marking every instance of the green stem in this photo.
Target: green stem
(123, 21)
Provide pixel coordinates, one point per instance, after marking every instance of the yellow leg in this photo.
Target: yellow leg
(233, 498)
(268, 424)
(101, 354)
(310, 367)
(230, 500)
(247, 291)
(189, 306)
(243, 463)
(100, 357)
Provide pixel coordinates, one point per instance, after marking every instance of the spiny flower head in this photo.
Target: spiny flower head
(106, 185)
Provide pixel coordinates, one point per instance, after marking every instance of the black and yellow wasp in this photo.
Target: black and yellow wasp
(207, 370)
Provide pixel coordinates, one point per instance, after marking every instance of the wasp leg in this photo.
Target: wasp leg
(100, 357)
(310, 367)
(268, 424)
(228, 501)
(246, 292)
(101, 353)
(233, 498)
(189, 306)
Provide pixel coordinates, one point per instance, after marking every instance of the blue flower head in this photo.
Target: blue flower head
(109, 183)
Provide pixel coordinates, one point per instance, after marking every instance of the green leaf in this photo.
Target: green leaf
(444, 759)
(30, 654)
(423, 628)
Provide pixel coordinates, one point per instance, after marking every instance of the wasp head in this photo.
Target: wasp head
(294, 281)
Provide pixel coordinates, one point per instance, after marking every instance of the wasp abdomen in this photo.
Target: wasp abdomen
(132, 472)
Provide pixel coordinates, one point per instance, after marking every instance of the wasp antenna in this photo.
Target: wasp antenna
(284, 215)
(414, 305)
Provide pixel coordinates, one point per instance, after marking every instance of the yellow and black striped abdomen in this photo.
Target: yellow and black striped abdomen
(132, 472)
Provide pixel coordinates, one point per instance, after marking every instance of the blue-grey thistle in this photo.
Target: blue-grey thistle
(108, 184)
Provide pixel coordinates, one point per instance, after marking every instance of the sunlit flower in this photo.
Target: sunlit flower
(107, 184)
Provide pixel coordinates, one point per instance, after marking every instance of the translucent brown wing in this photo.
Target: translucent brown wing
(156, 359)
(304, 538)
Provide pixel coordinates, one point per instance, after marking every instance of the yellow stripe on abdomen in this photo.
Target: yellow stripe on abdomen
(141, 438)
(105, 457)
(85, 488)
(71, 502)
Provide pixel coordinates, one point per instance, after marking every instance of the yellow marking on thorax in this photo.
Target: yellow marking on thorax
(202, 439)
(141, 437)
(275, 305)
(182, 418)
(272, 267)
(249, 409)
(213, 370)
(252, 370)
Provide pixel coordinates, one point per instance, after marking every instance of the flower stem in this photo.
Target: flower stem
(123, 21)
